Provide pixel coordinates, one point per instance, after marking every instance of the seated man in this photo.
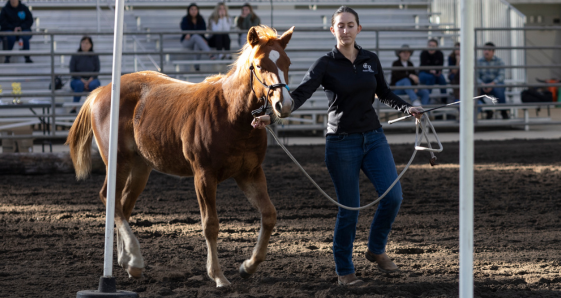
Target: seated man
(16, 17)
(491, 78)
(432, 58)
(408, 78)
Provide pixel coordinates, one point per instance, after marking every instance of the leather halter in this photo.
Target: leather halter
(265, 107)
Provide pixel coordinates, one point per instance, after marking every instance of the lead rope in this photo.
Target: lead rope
(417, 148)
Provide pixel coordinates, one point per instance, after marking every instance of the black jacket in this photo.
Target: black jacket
(436, 59)
(398, 75)
(79, 63)
(350, 89)
(11, 17)
(186, 25)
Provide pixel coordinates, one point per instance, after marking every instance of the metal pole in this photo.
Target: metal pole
(161, 36)
(98, 8)
(113, 137)
(53, 103)
(271, 13)
(466, 148)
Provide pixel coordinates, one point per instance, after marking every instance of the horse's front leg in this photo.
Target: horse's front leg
(206, 194)
(254, 185)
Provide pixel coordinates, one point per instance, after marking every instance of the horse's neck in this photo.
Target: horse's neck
(238, 94)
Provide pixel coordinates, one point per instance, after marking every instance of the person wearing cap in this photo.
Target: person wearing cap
(407, 78)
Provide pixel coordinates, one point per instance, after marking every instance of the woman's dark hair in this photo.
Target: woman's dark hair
(453, 54)
(253, 15)
(199, 17)
(343, 9)
(84, 38)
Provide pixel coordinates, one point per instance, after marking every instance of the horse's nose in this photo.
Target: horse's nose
(278, 106)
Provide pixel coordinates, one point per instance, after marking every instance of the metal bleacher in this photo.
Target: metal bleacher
(146, 18)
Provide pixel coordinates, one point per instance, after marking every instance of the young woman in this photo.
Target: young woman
(454, 74)
(351, 77)
(194, 21)
(84, 63)
(245, 21)
(219, 20)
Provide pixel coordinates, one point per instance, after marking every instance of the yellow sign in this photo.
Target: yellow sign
(16, 90)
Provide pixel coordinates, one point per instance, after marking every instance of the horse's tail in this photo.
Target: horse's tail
(80, 138)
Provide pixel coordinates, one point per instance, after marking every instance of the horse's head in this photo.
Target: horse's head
(269, 64)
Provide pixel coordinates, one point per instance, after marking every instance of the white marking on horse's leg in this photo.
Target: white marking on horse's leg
(213, 266)
(122, 258)
(131, 252)
(286, 98)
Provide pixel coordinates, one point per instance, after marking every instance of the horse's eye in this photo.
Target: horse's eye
(257, 66)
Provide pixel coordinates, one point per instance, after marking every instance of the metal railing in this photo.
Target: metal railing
(52, 115)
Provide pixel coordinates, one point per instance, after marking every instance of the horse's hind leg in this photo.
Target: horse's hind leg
(206, 194)
(128, 248)
(254, 186)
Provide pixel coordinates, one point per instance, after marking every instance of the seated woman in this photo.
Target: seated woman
(408, 78)
(219, 20)
(84, 63)
(245, 21)
(454, 74)
(194, 21)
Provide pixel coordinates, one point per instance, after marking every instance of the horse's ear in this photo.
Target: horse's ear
(252, 37)
(285, 38)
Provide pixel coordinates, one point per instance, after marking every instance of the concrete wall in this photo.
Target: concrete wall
(550, 15)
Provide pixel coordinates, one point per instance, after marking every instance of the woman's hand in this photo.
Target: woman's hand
(187, 36)
(417, 112)
(261, 121)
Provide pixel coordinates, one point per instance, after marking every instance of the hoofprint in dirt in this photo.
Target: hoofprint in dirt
(52, 230)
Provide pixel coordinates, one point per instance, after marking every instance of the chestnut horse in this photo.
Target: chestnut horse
(184, 129)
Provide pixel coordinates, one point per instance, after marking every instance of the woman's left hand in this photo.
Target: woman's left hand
(417, 112)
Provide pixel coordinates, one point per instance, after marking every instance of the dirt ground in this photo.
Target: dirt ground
(52, 230)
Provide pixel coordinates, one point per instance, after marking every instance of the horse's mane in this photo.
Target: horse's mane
(241, 65)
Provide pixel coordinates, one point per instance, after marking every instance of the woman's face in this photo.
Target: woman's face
(404, 55)
(345, 29)
(85, 45)
(193, 11)
(457, 52)
(221, 11)
(245, 11)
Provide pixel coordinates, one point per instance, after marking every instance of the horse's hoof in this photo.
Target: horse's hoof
(135, 272)
(223, 286)
(244, 273)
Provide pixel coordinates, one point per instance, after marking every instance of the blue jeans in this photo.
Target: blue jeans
(78, 86)
(498, 92)
(427, 78)
(422, 93)
(11, 41)
(345, 156)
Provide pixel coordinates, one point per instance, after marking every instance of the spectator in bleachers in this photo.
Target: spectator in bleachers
(454, 74)
(220, 20)
(194, 21)
(491, 78)
(408, 78)
(84, 63)
(432, 58)
(245, 21)
(16, 17)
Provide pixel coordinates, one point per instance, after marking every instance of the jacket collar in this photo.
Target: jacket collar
(361, 56)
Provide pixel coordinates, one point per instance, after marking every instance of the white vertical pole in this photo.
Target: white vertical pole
(466, 148)
(98, 10)
(113, 138)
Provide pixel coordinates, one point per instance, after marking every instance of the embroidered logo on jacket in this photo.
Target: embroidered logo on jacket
(367, 68)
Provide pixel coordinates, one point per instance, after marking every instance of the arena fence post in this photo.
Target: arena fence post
(107, 286)
(466, 148)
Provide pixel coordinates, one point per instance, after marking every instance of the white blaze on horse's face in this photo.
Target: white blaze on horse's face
(283, 104)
